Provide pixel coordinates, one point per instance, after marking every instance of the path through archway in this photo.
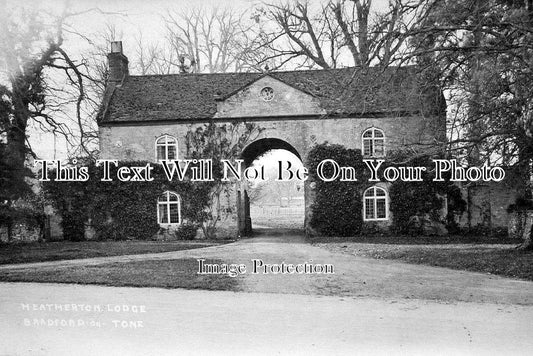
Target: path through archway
(270, 203)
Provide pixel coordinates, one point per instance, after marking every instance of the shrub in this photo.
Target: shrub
(73, 226)
(31, 217)
(409, 200)
(186, 231)
(521, 204)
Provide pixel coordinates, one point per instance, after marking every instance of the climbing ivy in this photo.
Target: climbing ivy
(337, 208)
(422, 199)
(121, 210)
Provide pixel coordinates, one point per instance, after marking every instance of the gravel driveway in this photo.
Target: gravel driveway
(354, 276)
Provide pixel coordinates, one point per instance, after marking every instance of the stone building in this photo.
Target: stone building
(375, 110)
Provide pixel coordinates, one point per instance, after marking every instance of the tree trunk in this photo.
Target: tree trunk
(527, 233)
(16, 147)
(15, 155)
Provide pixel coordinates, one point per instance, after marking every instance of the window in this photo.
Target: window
(375, 204)
(267, 93)
(169, 209)
(166, 148)
(373, 143)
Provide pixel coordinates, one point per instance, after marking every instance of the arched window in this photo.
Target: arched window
(166, 148)
(375, 203)
(169, 209)
(373, 143)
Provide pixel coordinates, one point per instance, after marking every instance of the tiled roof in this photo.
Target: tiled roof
(347, 91)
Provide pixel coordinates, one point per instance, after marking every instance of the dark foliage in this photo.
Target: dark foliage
(521, 204)
(424, 198)
(121, 210)
(186, 231)
(12, 183)
(337, 210)
(9, 215)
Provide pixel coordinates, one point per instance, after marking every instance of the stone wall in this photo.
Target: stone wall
(137, 142)
(21, 231)
(487, 204)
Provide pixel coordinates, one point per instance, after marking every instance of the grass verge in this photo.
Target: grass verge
(419, 240)
(68, 250)
(178, 273)
(502, 260)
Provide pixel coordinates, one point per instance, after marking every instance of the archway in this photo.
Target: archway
(270, 203)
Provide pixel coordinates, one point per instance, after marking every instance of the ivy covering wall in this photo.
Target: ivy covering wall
(337, 209)
(426, 199)
(338, 206)
(122, 210)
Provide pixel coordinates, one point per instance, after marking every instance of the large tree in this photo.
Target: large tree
(213, 40)
(41, 85)
(199, 40)
(484, 54)
(334, 33)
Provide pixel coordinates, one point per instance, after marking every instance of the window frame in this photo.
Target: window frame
(374, 198)
(168, 203)
(166, 145)
(267, 93)
(373, 140)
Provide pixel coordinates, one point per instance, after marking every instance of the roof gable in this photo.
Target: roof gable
(282, 100)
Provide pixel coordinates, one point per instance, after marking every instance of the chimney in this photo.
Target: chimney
(118, 63)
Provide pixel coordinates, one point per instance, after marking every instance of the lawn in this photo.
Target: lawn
(279, 222)
(66, 250)
(178, 273)
(419, 240)
(498, 259)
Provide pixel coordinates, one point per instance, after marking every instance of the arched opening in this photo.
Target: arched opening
(260, 147)
(270, 203)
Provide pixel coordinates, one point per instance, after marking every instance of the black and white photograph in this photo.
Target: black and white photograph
(266, 177)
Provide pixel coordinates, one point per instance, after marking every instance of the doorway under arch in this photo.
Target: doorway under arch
(271, 204)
